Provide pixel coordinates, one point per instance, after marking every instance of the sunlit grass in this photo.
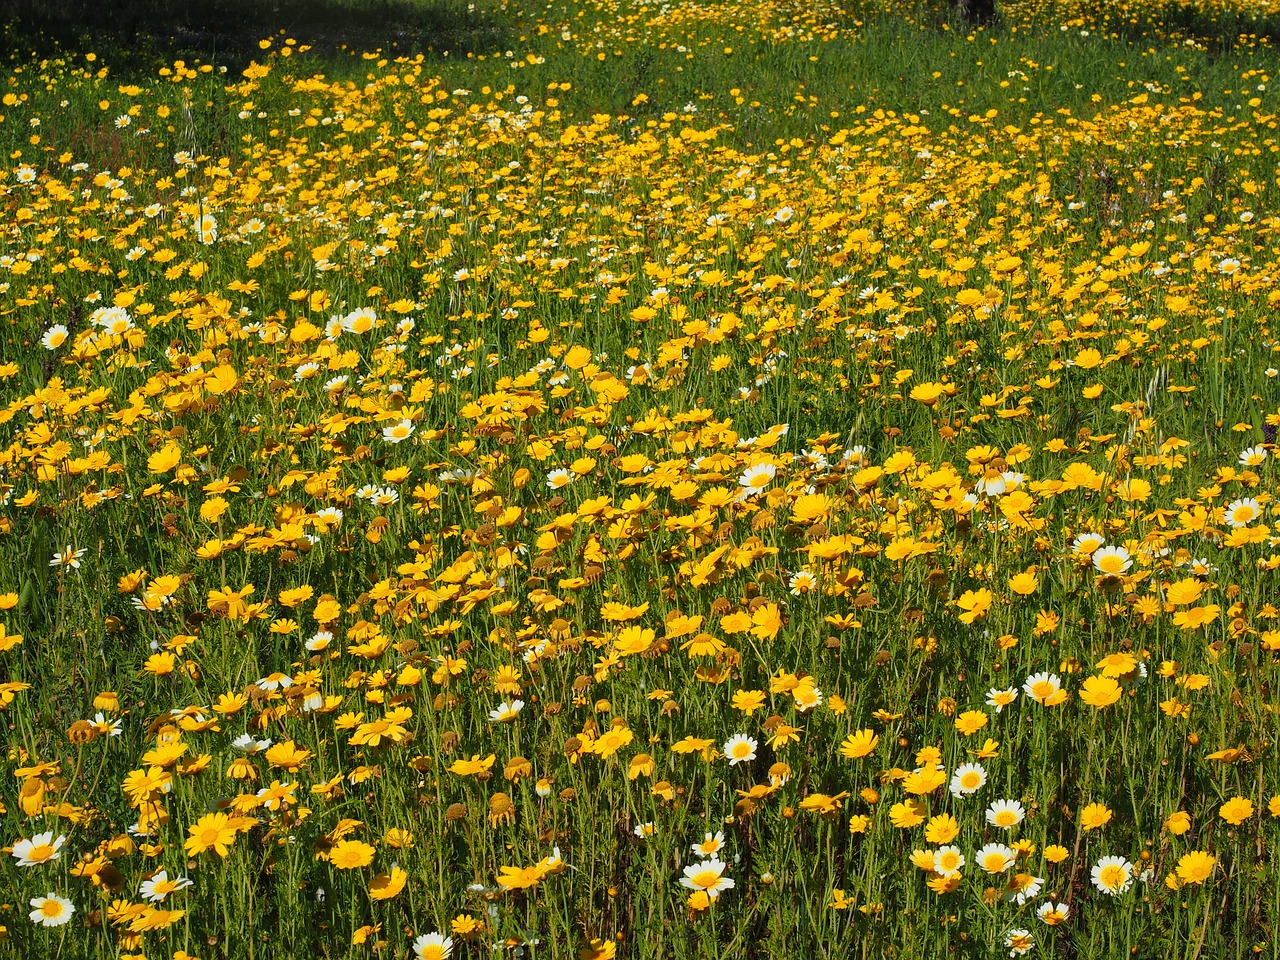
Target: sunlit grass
(704, 481)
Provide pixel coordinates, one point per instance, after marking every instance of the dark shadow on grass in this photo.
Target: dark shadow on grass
(144, 31)
(1218, 32)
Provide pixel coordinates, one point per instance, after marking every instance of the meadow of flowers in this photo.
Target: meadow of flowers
(704, 480)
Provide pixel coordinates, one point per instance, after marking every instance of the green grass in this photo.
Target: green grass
(828, 195)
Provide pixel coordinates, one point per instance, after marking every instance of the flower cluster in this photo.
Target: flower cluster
(430, 509)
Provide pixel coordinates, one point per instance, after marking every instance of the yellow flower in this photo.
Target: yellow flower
(1087, 359)
(161, 664)
(466, 926)
(925, 780)
(925, 860)
(155, 919)
(1178, 823)
(975, 604)
(350, 854)
(1196, 617)
(859, 744)
(766, 622)
(942, 829)
(634, 640)
(519, 878)
(597, 949)
(213, 831)
(1236, 810)
(164, 459)
(641, 765)
(288, 756)
(1094, 816)
(1117, 664)
(1185, 591)
(782, 735)
(812, 507)
(611, 741)
(464, 768)
(822, 803)
(928, 394)
(1025, 583)
(909, 813)
(1100, 692)
(1196, 867)
(386, 885)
